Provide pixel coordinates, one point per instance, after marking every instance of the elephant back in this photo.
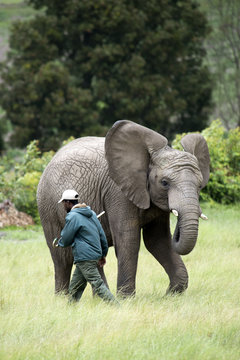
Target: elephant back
(75, 166)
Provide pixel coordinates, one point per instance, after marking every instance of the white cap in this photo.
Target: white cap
(69, 195)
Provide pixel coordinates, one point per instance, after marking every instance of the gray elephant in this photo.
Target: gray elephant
(138, 180)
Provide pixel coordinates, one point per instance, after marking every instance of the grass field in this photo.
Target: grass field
(202, 324)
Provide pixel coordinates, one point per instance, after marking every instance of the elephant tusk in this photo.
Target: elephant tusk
(175, 213)
(204, 217)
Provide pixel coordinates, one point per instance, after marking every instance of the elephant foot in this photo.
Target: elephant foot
(62, 285)
(176, 288)
(61, 290)
(126, 293)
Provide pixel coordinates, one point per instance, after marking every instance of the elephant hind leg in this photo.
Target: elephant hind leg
(101, 272)
(62, 258)
(62, 276)
(157, 239)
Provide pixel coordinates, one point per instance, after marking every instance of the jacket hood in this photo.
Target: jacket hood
(83, 210)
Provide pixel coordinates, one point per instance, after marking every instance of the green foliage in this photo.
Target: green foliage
(19, 183)
(224, 149)
(27, 178)
(81, 65)
(9, 11)
(3, 130)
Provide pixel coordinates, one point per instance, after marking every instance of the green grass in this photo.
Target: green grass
(201, 324)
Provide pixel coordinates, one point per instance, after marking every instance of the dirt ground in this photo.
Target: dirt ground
(9, 216)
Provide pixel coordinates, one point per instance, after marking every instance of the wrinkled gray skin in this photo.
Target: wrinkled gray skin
(137, 179)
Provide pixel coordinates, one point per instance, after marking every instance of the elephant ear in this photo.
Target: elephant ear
(197, 145)
(128, 149)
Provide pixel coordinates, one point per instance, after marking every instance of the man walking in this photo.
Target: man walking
(85, 234)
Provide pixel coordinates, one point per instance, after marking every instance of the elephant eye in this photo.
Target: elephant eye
(164, 183)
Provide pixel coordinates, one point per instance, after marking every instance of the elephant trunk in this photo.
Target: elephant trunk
(186, 231)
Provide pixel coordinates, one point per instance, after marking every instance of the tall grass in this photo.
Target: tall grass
(203, 323)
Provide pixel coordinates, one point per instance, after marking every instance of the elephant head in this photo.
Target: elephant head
(148, 171)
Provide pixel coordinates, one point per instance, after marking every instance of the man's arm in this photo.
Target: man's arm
(69, 231)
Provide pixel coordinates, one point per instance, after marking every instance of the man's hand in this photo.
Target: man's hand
(55, 242)
(102, 262)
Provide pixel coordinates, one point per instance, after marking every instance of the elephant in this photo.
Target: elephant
(137, 179)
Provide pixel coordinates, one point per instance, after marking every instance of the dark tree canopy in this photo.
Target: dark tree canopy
(81, 65)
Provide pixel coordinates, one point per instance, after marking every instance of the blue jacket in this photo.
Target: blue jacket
(85, 234)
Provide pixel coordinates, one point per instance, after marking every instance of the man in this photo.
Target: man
(85, 234)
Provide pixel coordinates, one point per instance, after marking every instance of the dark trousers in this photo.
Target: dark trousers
(87, 272)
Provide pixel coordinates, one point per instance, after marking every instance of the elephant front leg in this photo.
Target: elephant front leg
(157, 239)
(127, 244)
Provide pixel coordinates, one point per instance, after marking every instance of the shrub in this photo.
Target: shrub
(19, 183)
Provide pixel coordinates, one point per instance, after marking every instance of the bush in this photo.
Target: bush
(224, 148)
(19, 183)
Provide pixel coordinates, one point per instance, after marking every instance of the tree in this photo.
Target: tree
(223, 49)
(81, 65)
